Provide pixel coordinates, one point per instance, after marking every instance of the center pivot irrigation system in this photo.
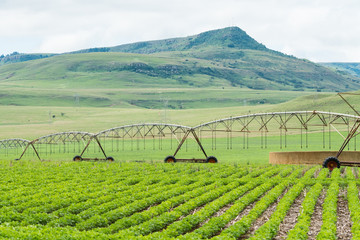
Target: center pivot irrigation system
(233, 132)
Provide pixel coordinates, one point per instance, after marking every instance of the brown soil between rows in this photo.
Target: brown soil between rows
(316, 174)
(343, 224)
(356, 173)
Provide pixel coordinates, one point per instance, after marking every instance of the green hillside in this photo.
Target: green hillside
(219, 68)
(231, 37)
(22, 57)
(352, 68)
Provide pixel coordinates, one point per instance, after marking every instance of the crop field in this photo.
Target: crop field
(88, 200)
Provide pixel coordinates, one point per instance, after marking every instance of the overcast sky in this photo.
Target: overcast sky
(319, 30)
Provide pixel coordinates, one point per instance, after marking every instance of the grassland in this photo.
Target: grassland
(34, 121)
(70, 80)
(150, 98)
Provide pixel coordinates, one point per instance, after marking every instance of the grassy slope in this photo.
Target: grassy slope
(57, 81)
(31, 122)
(352, 68)
(215, 67)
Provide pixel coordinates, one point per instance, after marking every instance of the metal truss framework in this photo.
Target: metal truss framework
(13, 143)
(263, 123)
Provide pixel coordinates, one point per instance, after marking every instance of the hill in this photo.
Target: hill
(22, 57)
(126, 80)
(352, 68)
(224, 67)
(232, 37)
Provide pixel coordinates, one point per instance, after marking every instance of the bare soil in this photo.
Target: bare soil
(356, 173)
(316, 174)
(343, 172)
(343, 224)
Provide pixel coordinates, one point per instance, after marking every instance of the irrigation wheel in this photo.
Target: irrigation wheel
(170, 159)
(211, 159)
(331, 163)
(77, 158)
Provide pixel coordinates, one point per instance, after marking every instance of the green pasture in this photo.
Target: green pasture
(31, 122)
(99, 80)
(143, 97)
(242, 149)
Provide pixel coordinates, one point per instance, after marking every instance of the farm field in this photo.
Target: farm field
(88, 200)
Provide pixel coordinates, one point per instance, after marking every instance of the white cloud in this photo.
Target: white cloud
(320, 30)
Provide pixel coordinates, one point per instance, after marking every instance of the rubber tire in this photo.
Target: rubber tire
(331, 163)
(110, 159)
(170, 159)
(211, 159)
(77, 158)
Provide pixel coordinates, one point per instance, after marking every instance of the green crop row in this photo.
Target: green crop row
(329, 214)
(323, 174)
(300, 231)
(354, 207)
